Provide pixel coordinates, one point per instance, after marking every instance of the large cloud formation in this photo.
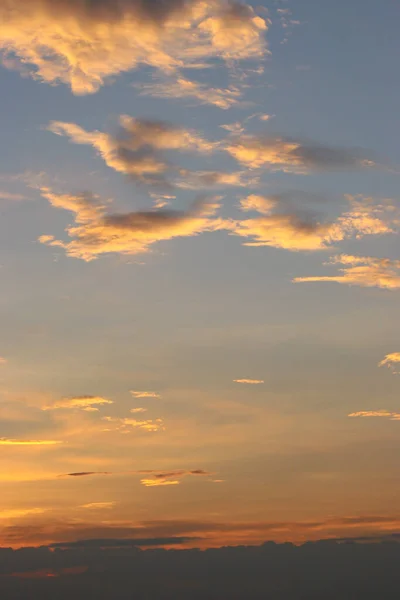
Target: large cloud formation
(97, 232)
(82, 43)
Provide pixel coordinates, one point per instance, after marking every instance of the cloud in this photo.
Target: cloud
(139, 409)
(3, 361)
(84, 44)
(392, 362)
(17, 513)
(293, 156)
(13, 442)
(86, 473)
(126, 425)
(365, 271)
(393, 416)
(86, 403)
(121, 543)
(138, 148)
(98, 505)
(249, 381)
(181, 87)
(139, 394)
(282, 226)
(96, 232)
(9, 196)
(159, 478)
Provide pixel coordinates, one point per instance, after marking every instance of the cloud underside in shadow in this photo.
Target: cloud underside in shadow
(364, 271)
(201, 533)
(83, 44)
(97, 232)
(294, 155)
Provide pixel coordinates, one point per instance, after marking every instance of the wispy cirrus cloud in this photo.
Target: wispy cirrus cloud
(86, 473)
(249, 381)
(160, 478)
(365, 271)
(282, 225)
(392, 362)
(294, 155)
(107, 38)
(11, 196)
(181, 87)
(86, 403)
(97, 232)
(98, 505)
(393, 416)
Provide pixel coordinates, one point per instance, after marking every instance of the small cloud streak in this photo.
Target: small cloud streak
(13, 442)
(365, 271)
(139, 394)
(249, 381)
(158, 482)
(86, 403)
(98, 505)
(86, 473)
(159, 478)
(17, 513)
(392, 362)
(126, 425)
(393, 416)
(139, 409)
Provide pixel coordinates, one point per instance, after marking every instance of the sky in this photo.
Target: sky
(199, 271)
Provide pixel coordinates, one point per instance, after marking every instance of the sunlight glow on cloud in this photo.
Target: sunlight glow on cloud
(365, 271)
(126, 425)
(249, 381)
(159, 478)
(143, 394)
(392, 361)
(13, 442)
(86, 403)
(98, 505)
(393, 416)
(282, 227)
(84, 44)
(126, 233)
(17, 513)
(293, 156)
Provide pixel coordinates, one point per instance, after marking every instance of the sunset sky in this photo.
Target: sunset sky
(200, 270)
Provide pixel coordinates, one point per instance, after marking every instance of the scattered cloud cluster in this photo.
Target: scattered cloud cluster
(365, 271)
(393, 416)
(104, 39)
(392, 362)
(86, 403)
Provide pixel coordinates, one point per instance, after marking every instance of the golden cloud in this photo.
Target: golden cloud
(98, 505)
(17, 513)
(293, 156)
(138, 394)
(365, 271)
(393, 416)
(13, 442)
(84, 44)
(392, 362)
(282, 229)
(125, 425)
(131, 233)
(159, 478)
(87, 403)
(249, 381)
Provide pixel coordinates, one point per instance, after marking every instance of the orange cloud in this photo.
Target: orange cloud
(84, 44)
(17, 513)
(249, 381)
(86, 403)
(98, 233)
(393, 416)
(159, 478)
(365, 271)
(139, 409)
(392, 362)
(158, 482)
(98, 505)
(125, 425)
